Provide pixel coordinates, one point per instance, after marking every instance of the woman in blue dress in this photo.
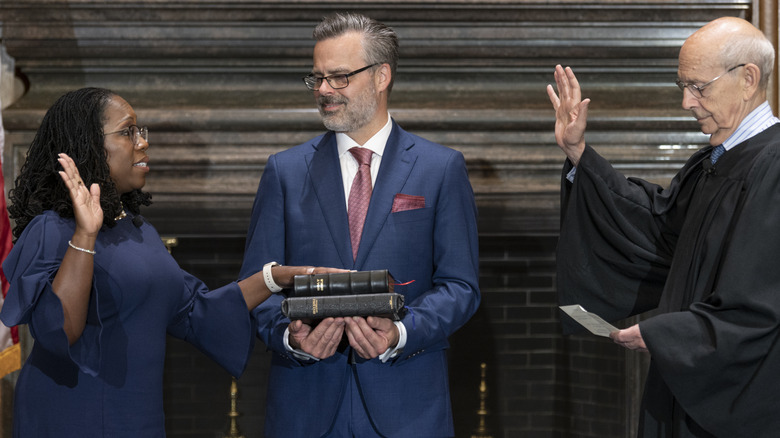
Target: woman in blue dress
(96, 285)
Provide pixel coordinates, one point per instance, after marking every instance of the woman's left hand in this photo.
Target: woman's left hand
(86, 202)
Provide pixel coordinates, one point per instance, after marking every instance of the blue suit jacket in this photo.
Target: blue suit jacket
(300, 218)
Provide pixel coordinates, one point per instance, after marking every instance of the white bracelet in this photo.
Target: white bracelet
(88, 251)
(269, 278)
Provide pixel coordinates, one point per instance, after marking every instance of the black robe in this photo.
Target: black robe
(705, 252)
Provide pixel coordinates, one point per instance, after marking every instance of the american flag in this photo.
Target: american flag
(10, 351)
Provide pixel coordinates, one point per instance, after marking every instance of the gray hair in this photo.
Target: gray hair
(755, 49)
(380, 43)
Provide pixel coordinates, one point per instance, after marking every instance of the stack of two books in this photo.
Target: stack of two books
(358, 293)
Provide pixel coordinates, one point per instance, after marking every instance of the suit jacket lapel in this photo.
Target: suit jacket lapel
(397, 162)
(325, 172)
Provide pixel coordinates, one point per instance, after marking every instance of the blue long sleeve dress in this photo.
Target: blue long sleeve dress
(109, 383)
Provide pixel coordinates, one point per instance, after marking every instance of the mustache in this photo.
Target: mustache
(328, 100)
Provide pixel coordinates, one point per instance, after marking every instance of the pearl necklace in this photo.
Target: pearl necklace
(122, 215)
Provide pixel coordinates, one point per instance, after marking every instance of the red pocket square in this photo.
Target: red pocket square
(403, 202)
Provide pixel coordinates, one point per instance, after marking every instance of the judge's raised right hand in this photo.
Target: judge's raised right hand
(321, 341)
(571, 113)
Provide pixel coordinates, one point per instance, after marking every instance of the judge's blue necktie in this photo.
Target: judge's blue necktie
(717, 152)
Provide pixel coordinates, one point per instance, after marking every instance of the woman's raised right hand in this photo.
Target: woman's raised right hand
(86, 201)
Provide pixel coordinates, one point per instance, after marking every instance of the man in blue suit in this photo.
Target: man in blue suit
(364, 377)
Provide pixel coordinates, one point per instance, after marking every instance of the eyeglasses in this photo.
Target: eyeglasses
(133, 132)
(336, 82)
(697, 90)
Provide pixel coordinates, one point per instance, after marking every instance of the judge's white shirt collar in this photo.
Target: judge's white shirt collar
(755, 123)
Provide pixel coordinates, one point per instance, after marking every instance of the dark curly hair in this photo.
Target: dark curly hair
(73, 125)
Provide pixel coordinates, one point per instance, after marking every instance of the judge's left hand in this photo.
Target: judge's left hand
(371, 336)
(630, 338)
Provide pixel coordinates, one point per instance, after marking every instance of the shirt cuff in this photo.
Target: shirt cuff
(570, 175)
(299, 354)
(393, 352)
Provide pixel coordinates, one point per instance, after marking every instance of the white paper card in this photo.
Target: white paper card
(594, 323)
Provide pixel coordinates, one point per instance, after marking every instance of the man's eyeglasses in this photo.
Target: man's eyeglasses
(336, 82)
(133, 132)
(697, 90)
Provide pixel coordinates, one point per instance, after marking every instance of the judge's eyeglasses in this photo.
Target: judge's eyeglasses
(697, 90)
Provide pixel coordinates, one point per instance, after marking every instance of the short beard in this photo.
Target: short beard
(355, 114)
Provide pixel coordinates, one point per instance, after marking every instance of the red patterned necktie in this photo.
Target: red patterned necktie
(359, 196)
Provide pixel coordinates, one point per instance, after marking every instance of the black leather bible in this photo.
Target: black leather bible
(388, 305)
(342, 283)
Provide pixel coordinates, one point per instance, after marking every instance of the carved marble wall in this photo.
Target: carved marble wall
(218, 84)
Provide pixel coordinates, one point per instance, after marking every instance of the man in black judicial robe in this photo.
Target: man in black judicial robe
(704, 252)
